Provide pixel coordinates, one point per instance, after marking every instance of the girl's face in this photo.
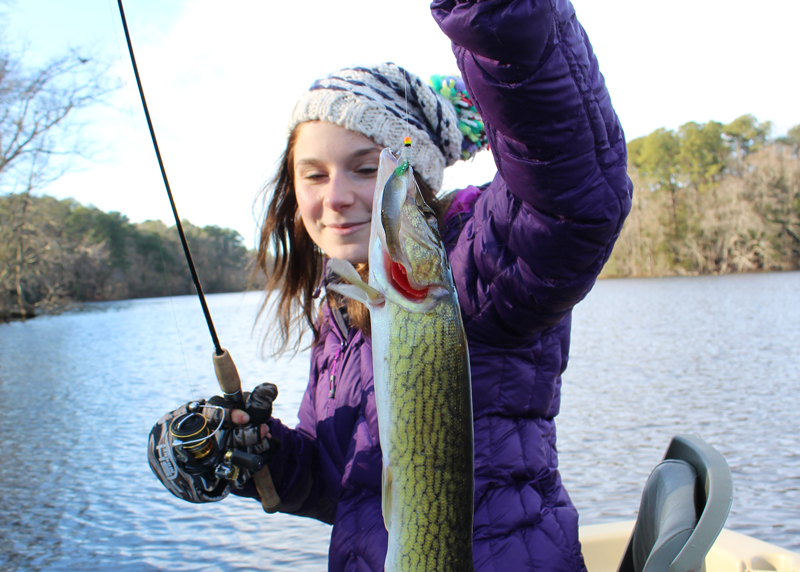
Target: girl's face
(334, 181)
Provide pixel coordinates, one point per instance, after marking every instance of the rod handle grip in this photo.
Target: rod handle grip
(227, 376)
(270, 501)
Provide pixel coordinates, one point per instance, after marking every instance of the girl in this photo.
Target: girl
(524, 249)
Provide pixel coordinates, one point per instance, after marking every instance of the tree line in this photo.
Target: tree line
(711, 198)
(54, 253)
(708, 198)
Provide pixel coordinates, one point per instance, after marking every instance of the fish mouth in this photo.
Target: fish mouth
(407, 253)
(395, 192)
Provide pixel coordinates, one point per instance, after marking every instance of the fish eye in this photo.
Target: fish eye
(427, 213)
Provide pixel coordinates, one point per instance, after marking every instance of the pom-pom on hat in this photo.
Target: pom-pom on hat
(452, 88)
(373, 101)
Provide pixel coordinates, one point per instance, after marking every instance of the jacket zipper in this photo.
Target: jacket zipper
(332, 379)
(339, 321)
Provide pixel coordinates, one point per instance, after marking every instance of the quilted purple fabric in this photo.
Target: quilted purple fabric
(524, 251)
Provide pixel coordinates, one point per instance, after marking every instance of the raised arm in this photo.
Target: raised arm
(546, 225)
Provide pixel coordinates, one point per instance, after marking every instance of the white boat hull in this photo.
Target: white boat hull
(604, 544)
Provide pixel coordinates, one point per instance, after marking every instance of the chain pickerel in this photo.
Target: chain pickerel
(422, 379)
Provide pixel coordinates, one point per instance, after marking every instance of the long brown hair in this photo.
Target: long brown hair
(293, 263)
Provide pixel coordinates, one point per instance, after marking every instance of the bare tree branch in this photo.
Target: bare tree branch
(38, 115)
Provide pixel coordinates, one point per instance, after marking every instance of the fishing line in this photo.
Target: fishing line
(405, 151)
(198, 287)
(405, 93)
(158, 235)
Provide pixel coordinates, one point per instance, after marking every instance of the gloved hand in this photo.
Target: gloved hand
(259, 402)
(253, 437)
(203, 480)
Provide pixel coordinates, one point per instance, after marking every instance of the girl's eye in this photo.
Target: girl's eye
(367, 171)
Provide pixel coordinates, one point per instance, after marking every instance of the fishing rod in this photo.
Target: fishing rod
(218, 350)
(190, 430)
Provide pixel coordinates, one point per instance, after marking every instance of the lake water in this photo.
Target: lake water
(715, 356)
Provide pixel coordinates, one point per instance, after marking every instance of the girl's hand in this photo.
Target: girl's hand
(239, 417)
(259, 403)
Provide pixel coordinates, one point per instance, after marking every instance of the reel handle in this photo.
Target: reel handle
(252, 463)
(231, 386)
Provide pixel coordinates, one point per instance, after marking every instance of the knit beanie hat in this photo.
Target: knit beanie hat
(386, 103)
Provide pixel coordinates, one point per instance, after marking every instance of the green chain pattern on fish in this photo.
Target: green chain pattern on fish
(430, 453)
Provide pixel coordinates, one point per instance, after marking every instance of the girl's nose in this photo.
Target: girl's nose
(340, 193)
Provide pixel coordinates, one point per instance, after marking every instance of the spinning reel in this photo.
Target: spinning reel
(201, 452)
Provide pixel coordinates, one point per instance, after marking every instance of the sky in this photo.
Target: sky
(221, 80)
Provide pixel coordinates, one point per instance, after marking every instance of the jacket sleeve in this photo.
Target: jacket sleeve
(545, 226)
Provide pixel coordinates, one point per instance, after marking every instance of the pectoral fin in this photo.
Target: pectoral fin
(350, 291)
(357, 289)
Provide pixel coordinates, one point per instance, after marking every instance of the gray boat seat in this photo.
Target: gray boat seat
(684, 505)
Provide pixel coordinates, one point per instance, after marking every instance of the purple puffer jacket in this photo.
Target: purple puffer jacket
(523, 252)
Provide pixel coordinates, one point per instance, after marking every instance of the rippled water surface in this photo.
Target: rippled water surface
(716, 356)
